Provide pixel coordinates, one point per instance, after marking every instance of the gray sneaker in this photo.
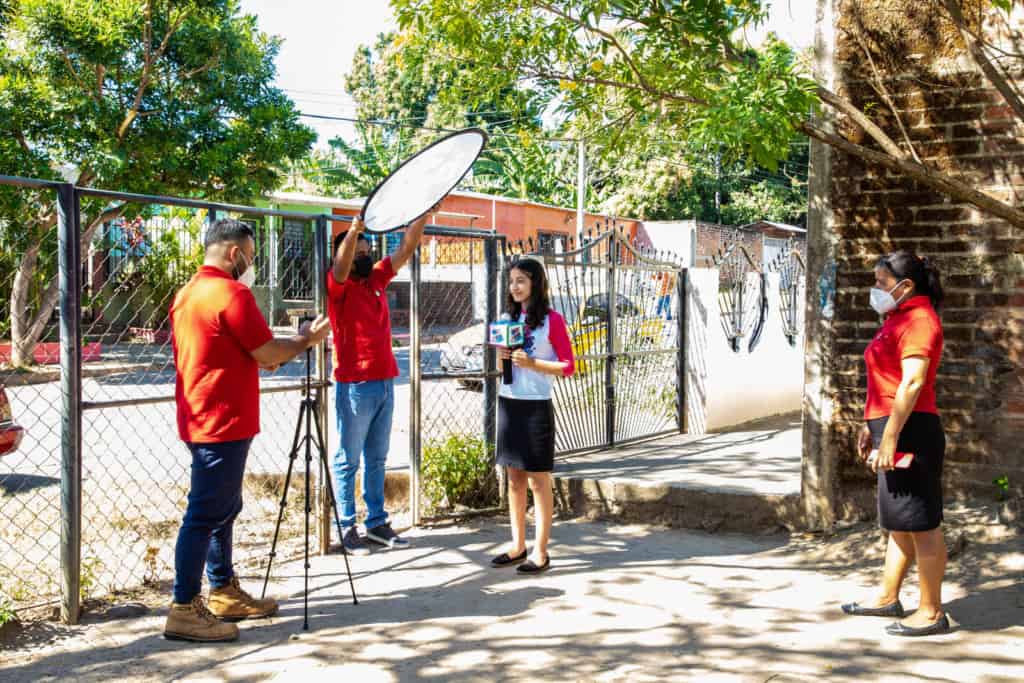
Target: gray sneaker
(353, 543)
(386, 536)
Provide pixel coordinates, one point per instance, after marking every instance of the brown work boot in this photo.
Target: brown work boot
(231, 603)
(195, 623)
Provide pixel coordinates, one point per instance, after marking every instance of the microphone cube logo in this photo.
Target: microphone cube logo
(515, 334)
(497, 334)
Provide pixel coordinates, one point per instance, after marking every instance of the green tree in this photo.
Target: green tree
(402, 88)
(146, 96)
(632, 73)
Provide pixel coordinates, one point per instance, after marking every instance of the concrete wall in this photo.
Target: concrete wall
(726, 387)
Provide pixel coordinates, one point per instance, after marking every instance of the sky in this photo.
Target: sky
(321, 36)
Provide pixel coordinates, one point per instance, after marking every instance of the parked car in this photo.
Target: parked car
(10, 433)
(588, 327)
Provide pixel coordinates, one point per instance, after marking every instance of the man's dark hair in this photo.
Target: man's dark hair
(340, 237)
(228, 230)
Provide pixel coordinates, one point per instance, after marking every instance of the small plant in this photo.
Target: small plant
(7, 613)
(459, 470)
(1002, 485)
(88, 577)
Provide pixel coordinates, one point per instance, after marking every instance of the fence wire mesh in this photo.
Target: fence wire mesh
(29, 475)
(457, 451)
(135, 469)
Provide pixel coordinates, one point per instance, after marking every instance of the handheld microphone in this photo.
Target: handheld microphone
(506, 334)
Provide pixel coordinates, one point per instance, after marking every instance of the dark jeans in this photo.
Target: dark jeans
(214, 502)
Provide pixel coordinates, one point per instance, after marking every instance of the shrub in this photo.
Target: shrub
(459, 471)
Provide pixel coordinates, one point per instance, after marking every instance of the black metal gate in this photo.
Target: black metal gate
(629, 355)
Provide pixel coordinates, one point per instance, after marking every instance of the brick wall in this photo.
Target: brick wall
(958, 123)
(713, 238)
(443, 304)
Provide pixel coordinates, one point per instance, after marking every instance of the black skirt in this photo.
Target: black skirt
(526, 434)
(911, 499)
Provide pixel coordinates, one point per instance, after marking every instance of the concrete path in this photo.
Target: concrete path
(629, 603)
(746, 479)
(761, 457)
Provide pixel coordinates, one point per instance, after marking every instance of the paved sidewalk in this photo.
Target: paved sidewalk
(621, 603)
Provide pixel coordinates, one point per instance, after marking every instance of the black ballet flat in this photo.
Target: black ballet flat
(894, 609)
(530, 567)
(504, 560)
(898, 629)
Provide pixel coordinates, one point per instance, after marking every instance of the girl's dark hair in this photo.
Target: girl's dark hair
(922, 272)
(539, 305)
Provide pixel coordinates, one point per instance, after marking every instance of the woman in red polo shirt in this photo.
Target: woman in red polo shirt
(902, 418)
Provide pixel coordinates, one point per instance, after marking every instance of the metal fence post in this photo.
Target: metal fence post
(70, 263)
(682, 286)
(490, 382)
(320, 269)
(415, 387)
(609, 368)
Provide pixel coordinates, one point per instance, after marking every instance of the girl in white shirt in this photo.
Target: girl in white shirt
(526, 416)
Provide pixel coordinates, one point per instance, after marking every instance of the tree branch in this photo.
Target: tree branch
(604, 34)
(537, 72)
(883, 91)
(942, 183)
(861, 119)
(997, 79)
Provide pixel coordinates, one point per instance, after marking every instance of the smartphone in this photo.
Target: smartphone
(901, 460)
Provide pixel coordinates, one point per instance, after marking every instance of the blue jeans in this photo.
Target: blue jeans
(214, 501)
(364, 427)
(665, 306)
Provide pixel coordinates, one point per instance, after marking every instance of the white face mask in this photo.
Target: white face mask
(883, 301)
(248, 276)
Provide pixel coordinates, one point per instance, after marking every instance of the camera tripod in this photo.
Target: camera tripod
(306, 438)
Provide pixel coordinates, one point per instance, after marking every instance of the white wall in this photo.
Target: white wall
(678, 237)
(725, 387)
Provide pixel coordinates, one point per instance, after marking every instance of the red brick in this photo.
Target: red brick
(1002, 111)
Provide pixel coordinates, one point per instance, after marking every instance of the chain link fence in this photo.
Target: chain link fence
(29, 475)
(135, 471)
(454, 286)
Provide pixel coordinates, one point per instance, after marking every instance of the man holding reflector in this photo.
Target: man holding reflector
(364, 363)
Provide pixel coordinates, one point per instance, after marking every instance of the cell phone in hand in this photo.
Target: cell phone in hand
(901, 460)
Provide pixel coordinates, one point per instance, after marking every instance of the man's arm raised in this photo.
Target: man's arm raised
(347, 253)
(411, 240)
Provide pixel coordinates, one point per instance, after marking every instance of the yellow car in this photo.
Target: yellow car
(636, 331)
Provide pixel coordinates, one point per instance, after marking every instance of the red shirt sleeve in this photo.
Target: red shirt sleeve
(383, 273)
(558, 335)
(244, 321)
(920, 338)
(335, 289)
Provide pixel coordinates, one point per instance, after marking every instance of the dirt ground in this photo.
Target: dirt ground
(632, 603)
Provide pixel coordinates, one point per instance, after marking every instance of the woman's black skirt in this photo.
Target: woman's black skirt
(526, 434)
(911, 499)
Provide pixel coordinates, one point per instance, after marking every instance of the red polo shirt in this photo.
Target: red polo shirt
(216, 324)
(913, 329)
(361, 324)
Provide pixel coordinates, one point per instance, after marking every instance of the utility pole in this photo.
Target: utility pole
(581, 186)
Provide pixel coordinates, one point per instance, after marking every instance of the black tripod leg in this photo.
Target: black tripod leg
(309, 508)
(329, 481)
(284, 498)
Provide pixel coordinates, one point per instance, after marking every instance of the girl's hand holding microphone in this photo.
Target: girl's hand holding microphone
(519, 358)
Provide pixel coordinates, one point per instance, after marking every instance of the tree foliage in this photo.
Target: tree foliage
(146, 96)
(635, 74)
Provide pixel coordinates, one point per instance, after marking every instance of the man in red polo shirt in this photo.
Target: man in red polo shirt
(220, 342)
(364, 372)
